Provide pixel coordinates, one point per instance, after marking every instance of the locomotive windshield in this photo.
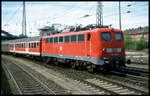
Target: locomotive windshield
(118, 36)
(106, 36)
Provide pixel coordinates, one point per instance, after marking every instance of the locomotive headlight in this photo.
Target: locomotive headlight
(119, 50)
(109, 50)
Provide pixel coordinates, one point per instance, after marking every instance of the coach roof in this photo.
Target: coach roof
(22, 40)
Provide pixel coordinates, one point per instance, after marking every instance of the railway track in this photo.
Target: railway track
(139, 77)
(98, 83)
(107, 87)
(25, 82)
(135, 69)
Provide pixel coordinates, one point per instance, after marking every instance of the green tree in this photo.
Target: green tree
(141, 44)
(128, 42)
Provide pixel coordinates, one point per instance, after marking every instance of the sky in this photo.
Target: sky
(39, 14)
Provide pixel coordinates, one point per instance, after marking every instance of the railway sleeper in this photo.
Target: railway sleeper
(106, 85)
(114, 88)
(122, 91)
(127, 93)
(34, 90)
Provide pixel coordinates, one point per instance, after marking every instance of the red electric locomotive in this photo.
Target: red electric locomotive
(96, 48)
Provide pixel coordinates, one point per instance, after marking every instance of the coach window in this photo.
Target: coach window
(81, 38)
(55, 39)
(67, 39)
(35, 45)
(61, 39)
(51, 40)
(31, 45)
(73, 38)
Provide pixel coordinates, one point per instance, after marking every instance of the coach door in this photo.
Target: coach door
(88, 44)
(14, 47)
(27, 47)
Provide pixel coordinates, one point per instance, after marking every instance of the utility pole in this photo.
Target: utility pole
(24, 20)
(99, 14)
(119, 16)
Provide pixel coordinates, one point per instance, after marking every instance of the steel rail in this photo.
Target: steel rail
(130, 75)
(137, 69)
(126, 86)
(135, 81)
(13, 79)
(36, 79)
(136, 72)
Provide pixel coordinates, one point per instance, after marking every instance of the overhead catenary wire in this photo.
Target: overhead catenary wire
(14, 14)
(69, 12)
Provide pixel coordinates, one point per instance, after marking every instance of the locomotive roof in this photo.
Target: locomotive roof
(22, 40)
(84, 31)
(70, 33)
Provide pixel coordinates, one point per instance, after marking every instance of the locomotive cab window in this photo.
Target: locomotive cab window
(106, 36)
(118, 36)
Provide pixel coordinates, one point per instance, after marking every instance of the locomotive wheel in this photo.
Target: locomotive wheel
(90, 69)
(73, 65)
(47, 61)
